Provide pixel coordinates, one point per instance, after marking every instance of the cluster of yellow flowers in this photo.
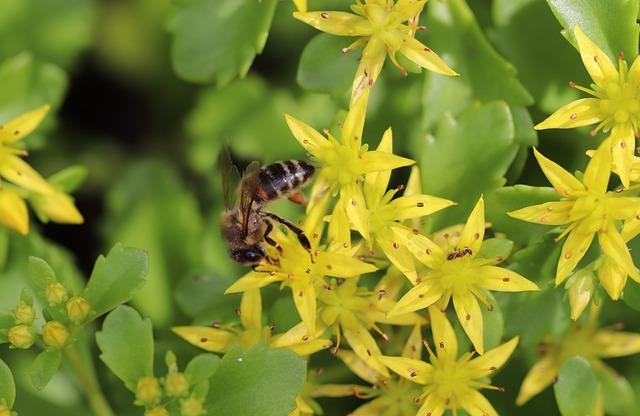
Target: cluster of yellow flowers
(20, 182)
(336, 304)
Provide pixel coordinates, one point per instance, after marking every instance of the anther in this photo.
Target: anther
(329, 267)
(16, 132)
(308, 270)
(441, 344)
(415, 231)
(505, 279)
(573, 116)
(305, 141)
(476, 236)
(499, 259)
(272, 327)
(412, 373)
(203, 340)
(381, 294)
(324, 15)
(319, 370)
(354, 202)
(468, 317)
(572, 84)
(325, 131)
(238, 311)
(428, 251)
(305, 338)
(493, 369)
(416, 400)
(396, 245)
(420, 204)
(215, 325)
(369, 353)
(621, 56)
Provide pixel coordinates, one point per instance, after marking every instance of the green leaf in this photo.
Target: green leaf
(40, 275)
(631, 294)
(496, 247)
(577, 388)
(115, 279)
(7, 385)
(611, 25)
(69, 179)
(617, 393)
(217, 40)
(44, 367)
(126, 343)
(493, 322)
(324, 67)
(467, 157)
(511, 198)
(258, 381)
(201, 368)
(194, 294)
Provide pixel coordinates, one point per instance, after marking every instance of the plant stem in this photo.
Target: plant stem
(92, 390)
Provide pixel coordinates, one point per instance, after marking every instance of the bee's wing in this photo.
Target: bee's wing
(248, 190)
(230, 178)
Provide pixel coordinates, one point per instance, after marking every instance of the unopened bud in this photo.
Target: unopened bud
(176, 385)
(580, 287)
(21, 336)
(56, 293)
(55, 334)
(157, 411)
(148, 390)
(191, 407)
(25, 314)
(77, 309)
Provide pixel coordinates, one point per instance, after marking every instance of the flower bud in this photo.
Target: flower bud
(191, 407)
(77, 309)
(156, 411)
(21, 336)
(56, 293)
(25, 314)
(176, 385)
(148, 390)
(580, 287)
(4, 410)
(55, 334)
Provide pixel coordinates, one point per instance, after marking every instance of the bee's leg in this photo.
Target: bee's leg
(298, 198)
(302, 238)
(270, 240)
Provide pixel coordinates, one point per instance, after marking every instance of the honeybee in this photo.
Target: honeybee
(245, 226)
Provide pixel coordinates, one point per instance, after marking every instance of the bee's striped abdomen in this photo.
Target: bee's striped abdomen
(281, 178)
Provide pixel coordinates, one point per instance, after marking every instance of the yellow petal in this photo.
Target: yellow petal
(310, 347)
(307, 136)
(492, 360)
(301, 5)
(58, 207)
(207, 338)
(16, 170)
(406, 9)
(371, 62)
(252, 280)
(376, 161)
(353, 200)
(376, 407)
(359, 367)
(564, 182)
(336, 23)
(476, 404)
(444, 337)
(612, 278)
(625, 208)
(304, 296)
(580, 289)
(339, 228)
(473, 231)
(251, 309)
(503, 280)
(623, 142)
(363, 344)
(577, 113)
(391, 283)
(341, 265)
(398, 255)
(354, 122)
(425, 250)
(415, 370)
(420, 54)
(22, 126)
(633, 77)
(616, 344)
(419, 297)
(413, 347)
(598, 64)
(376, 183)
(340, 390)
(541, 376)
(416, 206)
(614, 246)
(313, 224)
(470, 316)
(13, 211)
(433, 406)
(573, 250)
(549, 213)
(596, 176)
(631, 229)
(300, 340)
(414, 185)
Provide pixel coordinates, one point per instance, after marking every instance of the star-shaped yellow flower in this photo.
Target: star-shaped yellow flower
(615, 104)
(588, 209)
(587, 341)
(448, 382)
(386, 26)
(456, 271)
(220, 338)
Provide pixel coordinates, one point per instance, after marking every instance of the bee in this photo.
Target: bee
(245, 225)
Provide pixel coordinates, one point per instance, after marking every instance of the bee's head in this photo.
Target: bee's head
(250, 255)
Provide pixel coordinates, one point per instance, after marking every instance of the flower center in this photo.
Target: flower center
(619, 102)
(341, 164)
(450, 380)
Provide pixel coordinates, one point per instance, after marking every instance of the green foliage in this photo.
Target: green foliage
(202, 367)
(256, 381)
(44, 367)
(7, 385)
(619, 399)
(577, 388)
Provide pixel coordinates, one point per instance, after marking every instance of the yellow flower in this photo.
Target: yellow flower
(456, 271)
(57, 207)
(21, 336)
(148, 391)
(55, 334)
(220, 338)
(587, 341)
(56, 293)
(191, 407)
(615, 104)
(77, 309)
(25, 314)
(449, 382)
(343, 163)
(13, 210)
(301, 5)
(386, 26)
(580, 289)
(176, 384)
(588, 209)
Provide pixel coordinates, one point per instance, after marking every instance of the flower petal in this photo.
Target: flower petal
(433, 406)
(391, 283)
(207, 338)
(413, 347)
(477, 405)
(503, 280)
(406, 9)
(340, 390)
(577, 113)
(13, 211)
(371, 62)
(398, 255)
(616, 344)
(549, 213)
(596, 176)
(376, 407)
(492, 360)
(310, 347)
(612, 278)
(359, 367)
(252, 280)
(342, 265)
(473, 231)
(304, 296)
(416, 206)
(539, 377)
(598, 64)
(420, 54)
(624, 208)
(376, 161)
(415, 370)
(444, 337)
(353, 201)
(623, 142)
(426, 251)
(631, 228)
(376, 183)
(23, 125)
(307, 136)
(17, 171)
(336, 23)
(573, 250)
(57, 207)
(564, 182)
(614, 246)
(419, 297)
(251, 310)
(301, 5)
(354, 122)
(363, 344)
(470, 316)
